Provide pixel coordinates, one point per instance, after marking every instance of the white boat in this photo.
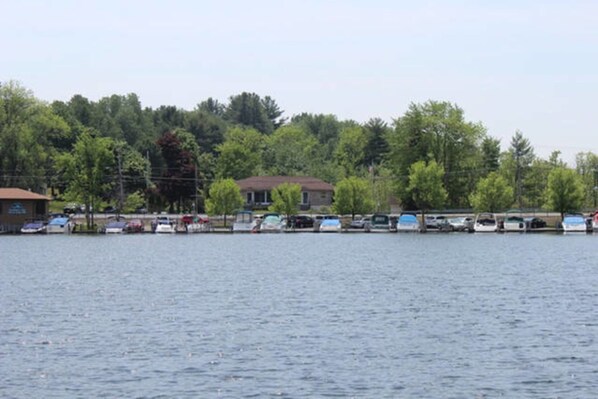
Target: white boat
(379, 223)
(59, 225)
(34, 227)
(514, 222)
(163, 225)
(198, 224)
(485, 223)
(574, 223)
(330, 224)
(408, 223)
(244, 222)
(115, 227)
(272, 223)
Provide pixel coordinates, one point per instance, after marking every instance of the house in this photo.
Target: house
(256, 190)
(17, 206)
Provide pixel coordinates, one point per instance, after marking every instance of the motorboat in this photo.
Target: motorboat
(379, 223)
(115, 227)
(198, 224)
(244, 222)
(272, 223)
(485, 223)
(574, 223)
(134, 226)
(408, 222)
(59, 225)
(34, 227)
(514, 222)
(595, 222)
(162, 225)
(330, 224)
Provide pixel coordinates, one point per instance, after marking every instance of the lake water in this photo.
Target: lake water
(299, 315)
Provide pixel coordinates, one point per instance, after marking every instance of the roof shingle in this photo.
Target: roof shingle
(269, 182)
(20, 194)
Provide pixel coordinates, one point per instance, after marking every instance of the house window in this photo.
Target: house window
(305, 197)
(260, 197)
(0, 208)
(268, 197)
(40, 208)
(249, 197)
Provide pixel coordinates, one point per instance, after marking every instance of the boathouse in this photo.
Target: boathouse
(17, 206)
(256, 191)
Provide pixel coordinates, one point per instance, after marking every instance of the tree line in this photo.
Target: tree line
(115, 151)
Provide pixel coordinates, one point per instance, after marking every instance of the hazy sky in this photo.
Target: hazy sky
(527, 65)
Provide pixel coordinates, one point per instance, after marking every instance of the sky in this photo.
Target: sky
(511, 65)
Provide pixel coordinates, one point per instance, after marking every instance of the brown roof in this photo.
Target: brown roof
(269, 182)
(19, 194)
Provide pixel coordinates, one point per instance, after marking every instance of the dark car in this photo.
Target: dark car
(535, 223)
(301, 222)
(72, 208)
(109, 209)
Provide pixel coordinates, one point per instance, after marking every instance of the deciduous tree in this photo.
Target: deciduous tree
(564, 191)
(224, 198)
(492, 194)
(286, 198)
(353, 196)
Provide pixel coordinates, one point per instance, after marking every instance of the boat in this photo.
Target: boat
(485, 223)
(408, 222)
(330, 224)
(595, 222)
(198, 224)
(379, 223)
(514, 222)
(244, 222)
(163, 224)
(134, 226)
(115, 227)
(34, 227)
(60, 225)
(574, 223)
(272, 223)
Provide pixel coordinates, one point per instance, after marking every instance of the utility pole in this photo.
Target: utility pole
(120, 182)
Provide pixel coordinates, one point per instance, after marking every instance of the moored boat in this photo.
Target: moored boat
(272, 223)
(379, 223)
(595, 222)
(115, 227)
(34, 227)
(163, 225)
(574, 223)
(514, 222)
(330, 224)
(408, 222)
(485, 223)
(60, 225)
(244, 222)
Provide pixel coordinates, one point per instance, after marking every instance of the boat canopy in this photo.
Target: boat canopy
(330, 222)
(116, 225)
(58, 221)
(380, 219)
(574, 219)
(408, 218)
(244, 217)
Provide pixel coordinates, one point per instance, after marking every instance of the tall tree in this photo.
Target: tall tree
(178, 179)
(290, 151)
(89, 170)
(490, 154)
(247, 109)
(350, 150)
(352, 196)
(564, 191)
(437, 131)
(225, 197)
(523, 154)
(587, 167)
(425, 186)
(286, 198)
(377, 147)
(492, 194)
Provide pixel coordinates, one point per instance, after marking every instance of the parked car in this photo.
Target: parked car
(109, 209)
(301, 221)
(359, 223)
(432, 221)
(72, 208)
(535, 223)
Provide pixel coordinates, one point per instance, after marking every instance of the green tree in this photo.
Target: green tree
(240, 156)
(224, 198)
(425, 186)
(492, 194)
(490, 154)
(353, 196)
(247, 109)
(437, 131)
(290, 151)
(286, 198)
(350, 150)
(523, 154)
(587, 167)
(564, 191)
(88, 169)
(377, 147)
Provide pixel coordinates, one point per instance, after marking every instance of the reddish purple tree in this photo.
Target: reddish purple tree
(178, 180)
